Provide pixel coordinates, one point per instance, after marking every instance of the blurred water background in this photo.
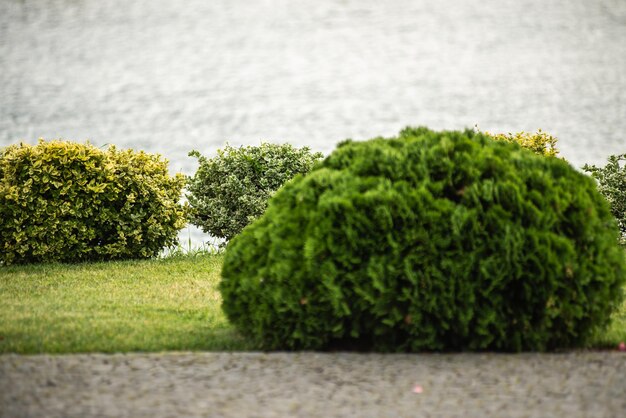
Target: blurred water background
(169, 76)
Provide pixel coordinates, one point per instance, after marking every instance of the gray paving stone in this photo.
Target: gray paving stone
(574, 384)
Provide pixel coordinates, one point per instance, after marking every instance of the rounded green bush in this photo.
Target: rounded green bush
(428, 241)
(231, 189)
(69, 202)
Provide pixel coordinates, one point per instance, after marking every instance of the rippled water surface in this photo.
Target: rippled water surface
(169, 76)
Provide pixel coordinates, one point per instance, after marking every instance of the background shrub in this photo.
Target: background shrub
(428, 241)
(540, 142)
(64, 201)
(231, 190)
(612, 184)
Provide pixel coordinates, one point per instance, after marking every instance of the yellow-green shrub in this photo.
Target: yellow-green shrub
(68, 202)
(540, 142)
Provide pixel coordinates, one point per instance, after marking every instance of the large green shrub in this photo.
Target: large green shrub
(64, 201)
(231, 190)
(612, 184)
(428, 241)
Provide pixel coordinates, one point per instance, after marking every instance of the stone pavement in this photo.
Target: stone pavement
(573, 384)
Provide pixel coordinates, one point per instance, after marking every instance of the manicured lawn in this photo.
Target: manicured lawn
(155, 305)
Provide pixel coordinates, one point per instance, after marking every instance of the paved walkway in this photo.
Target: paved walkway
(578, 384)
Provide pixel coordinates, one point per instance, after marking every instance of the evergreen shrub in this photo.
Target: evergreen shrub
(612, 184)
(69, 202)
(428, 241)
(232, 189)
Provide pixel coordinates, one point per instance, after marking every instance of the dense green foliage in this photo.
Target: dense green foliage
(232, 189)
(428, 241)
(64, 201)
(540, 142)
(612, 184)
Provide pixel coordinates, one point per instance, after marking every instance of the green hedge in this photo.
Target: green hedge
(428, 241)
(231, 189)
(68, 202)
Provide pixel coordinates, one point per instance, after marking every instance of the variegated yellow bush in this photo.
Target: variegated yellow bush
(540, 142)
(68, 202)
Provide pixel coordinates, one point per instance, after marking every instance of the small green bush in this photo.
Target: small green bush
(69, 202)
(232, 189)
(428, 241)
(540, 142)
(612, 184)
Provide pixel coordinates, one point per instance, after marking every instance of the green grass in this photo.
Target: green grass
(154, 305)
(615, 333)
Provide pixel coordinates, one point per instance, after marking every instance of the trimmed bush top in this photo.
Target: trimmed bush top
(541, 143)
(428, 241)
